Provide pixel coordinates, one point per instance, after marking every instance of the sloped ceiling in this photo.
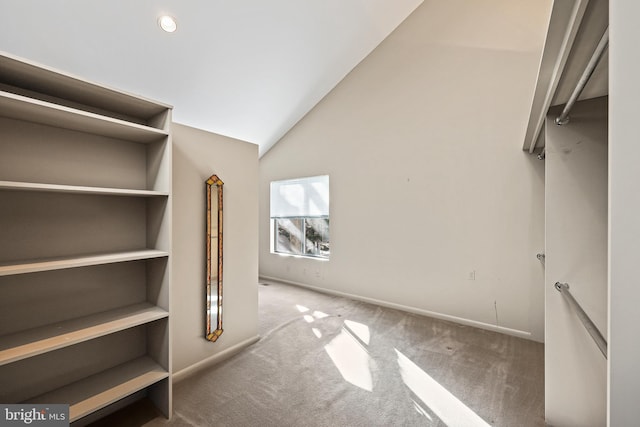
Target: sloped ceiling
(248, 69)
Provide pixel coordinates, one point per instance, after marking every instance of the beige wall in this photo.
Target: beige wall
(576, 249)
(429, 186)
(196, 156)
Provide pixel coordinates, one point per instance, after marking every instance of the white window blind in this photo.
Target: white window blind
(302, 197)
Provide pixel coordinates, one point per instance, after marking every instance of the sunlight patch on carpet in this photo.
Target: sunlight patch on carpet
(351, 359)
(319, 315)
(444, 405)
(302, 308)
(359, 330)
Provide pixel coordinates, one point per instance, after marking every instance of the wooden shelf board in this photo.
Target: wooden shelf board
(48, 264)
(57, 188)
(33, 342)
(98, 391)
(34, 110)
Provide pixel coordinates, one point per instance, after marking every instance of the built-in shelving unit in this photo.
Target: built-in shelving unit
(85, 242)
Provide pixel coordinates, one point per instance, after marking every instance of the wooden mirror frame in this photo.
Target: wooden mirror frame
(214, 258)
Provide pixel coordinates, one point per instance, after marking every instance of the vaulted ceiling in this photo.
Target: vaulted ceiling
(248, 69)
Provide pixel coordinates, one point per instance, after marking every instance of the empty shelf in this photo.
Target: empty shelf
(32, 342)
(47, 264)
(98, 391)
(34, 110)
(23, 73)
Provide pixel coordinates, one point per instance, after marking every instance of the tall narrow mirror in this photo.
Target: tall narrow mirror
(214, 258)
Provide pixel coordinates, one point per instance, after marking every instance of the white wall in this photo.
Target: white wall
(422, 142)
(196, 156)
(576, 253)
(624, 214)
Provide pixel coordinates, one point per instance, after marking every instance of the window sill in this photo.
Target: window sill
(316, 258)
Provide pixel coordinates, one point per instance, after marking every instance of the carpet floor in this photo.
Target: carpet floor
(327, 361)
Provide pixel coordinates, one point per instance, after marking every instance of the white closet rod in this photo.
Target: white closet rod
(563, 118)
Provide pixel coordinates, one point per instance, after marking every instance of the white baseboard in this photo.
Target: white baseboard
(408, 309)
(213, 360)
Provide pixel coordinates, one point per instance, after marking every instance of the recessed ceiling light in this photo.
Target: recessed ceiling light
(167, 23)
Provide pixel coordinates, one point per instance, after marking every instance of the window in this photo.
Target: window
(300, 216)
